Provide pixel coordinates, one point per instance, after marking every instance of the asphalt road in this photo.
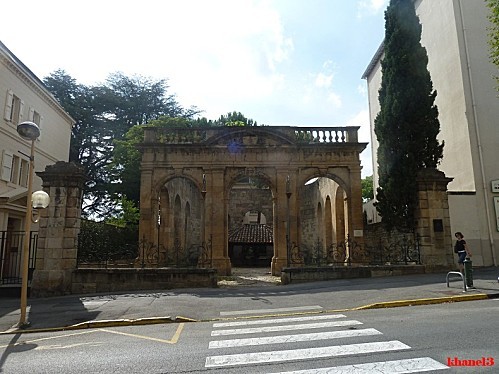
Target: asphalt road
(304, 339)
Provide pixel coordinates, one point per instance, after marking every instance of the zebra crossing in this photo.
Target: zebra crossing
(269, 332)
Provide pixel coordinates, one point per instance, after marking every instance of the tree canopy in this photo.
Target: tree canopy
(104, 113)
(367, 188)
(109, 124)
(407, 125)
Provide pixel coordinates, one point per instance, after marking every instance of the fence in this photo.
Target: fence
(103, 245)
(11, 251)
(196, 255)
(403, 251)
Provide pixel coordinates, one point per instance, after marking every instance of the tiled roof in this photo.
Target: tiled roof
(252, 234)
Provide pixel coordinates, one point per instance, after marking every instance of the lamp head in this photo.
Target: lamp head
(28, 130)
(40, 199)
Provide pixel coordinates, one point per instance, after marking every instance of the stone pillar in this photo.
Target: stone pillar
(58, 230)
(433, 221)
(285, 213)
(216, 220)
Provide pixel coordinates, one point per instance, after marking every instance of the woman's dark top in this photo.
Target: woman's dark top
(459, 247)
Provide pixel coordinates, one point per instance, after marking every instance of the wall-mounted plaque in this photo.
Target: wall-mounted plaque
(495, 186)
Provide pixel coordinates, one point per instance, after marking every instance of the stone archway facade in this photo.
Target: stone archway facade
(211, 160)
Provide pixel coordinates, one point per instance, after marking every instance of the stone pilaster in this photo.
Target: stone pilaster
(433, 222)
(59, 229)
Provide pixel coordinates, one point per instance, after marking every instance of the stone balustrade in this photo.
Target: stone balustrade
(306, 135)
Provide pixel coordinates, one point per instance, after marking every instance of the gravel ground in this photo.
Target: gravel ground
(249, 277)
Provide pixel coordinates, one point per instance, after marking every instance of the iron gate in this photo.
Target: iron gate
(11, 249)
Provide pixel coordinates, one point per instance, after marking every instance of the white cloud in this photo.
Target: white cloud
(209, 50)
(335, 99)
(323, 81)
(370, 7)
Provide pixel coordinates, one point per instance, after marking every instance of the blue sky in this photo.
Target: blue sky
(279, 62)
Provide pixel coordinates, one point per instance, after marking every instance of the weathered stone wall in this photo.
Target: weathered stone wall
(375, 233)
(313, 228)
(308, 215)
(310, 274)
(243, 200)
(189, 195)
(117, 280)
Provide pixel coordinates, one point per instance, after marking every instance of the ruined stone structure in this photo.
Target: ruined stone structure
(187, 176)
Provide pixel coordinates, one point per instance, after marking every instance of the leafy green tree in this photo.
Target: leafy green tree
(494, 33)
(127, 158)
(103, 114)
(91, 135)
(235, 119)
(367, 188)
(407, 124)
(128, 216)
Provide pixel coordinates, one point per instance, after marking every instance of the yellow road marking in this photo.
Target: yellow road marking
(48, 338)
(59, 346)
(173, 340)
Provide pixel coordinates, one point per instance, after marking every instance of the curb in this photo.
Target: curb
(427, 301)
(103, 324)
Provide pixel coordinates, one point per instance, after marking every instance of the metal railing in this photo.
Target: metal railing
(11, 252)
(404, 251)
(196, 255)
(147, 255)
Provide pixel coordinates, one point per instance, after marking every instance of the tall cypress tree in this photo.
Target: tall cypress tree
(407, 125)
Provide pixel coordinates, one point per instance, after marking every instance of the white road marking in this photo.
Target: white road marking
(412, 365)
(303, 354)
(275, 310)
(304, 326)
(292, 338)
(278, 320)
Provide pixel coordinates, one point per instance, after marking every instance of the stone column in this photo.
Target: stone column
(58, 230)
(216, 220)
(433, 221)
(285, 213)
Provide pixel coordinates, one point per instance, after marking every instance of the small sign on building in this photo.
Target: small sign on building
(495, 186)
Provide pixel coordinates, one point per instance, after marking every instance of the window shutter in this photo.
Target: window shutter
(8, 105)
(31, 115)
(21, 111)
(40, 126)
(6, 166)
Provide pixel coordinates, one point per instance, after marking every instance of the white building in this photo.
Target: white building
(454, 33)
(23, 97)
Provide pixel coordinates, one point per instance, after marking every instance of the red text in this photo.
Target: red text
(484, 361)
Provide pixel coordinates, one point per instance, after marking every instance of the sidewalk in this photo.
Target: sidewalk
(162, 306)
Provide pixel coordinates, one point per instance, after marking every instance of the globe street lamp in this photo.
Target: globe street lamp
(40, 199)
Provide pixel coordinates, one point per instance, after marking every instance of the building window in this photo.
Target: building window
(13, 108)
(35, 117)
(15, 169)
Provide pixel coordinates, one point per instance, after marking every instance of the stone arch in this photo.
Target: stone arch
(212, 158)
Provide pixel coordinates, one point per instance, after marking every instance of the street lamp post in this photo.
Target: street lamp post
(29, 131)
